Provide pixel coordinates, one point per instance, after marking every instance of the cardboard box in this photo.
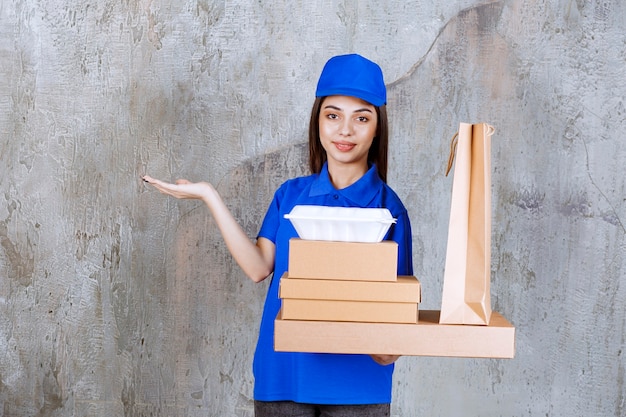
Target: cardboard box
(427, 338)
(406, 289)
(356, 311)
(357, 261)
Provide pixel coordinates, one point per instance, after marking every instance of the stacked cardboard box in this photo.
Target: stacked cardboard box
(347, 282)
(340, 297)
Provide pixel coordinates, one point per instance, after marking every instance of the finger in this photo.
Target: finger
(152, 181)
(155, 182)
(384, 359)
(377, 359)
(161, 186)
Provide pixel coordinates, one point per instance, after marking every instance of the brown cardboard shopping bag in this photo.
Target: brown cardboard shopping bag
(466, 298)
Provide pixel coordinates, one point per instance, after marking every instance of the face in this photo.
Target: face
(347, 127)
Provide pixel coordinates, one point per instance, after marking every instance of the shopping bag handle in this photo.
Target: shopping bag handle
(455, 141)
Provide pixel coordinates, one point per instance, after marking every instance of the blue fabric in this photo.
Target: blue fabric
(323, 378)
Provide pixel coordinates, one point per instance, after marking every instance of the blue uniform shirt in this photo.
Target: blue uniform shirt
(312, 377)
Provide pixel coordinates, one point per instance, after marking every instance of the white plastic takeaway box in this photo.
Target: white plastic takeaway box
(342, 224)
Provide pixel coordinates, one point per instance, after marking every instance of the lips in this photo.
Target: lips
(344, 146)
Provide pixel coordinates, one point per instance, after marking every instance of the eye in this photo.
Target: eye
(332, 116)
(363, 119)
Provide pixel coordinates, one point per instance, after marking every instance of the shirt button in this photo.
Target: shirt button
(335, 196)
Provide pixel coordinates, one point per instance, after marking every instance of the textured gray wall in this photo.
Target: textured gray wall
(116, 301)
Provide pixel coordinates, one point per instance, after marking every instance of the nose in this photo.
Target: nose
(346, 127)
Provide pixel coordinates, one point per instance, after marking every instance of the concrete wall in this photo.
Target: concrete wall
(116, 301)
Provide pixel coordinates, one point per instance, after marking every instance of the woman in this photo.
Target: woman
(348, 140)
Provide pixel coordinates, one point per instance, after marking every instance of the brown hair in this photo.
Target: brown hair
(377, 153)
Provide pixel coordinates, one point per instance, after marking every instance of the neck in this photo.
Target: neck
(342, 176)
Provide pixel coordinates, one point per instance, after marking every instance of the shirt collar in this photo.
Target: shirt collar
(361, 192)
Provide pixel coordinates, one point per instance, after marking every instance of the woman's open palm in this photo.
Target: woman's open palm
(182, 188)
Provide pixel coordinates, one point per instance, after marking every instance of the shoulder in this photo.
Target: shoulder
(295, 186)
(392, 201)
